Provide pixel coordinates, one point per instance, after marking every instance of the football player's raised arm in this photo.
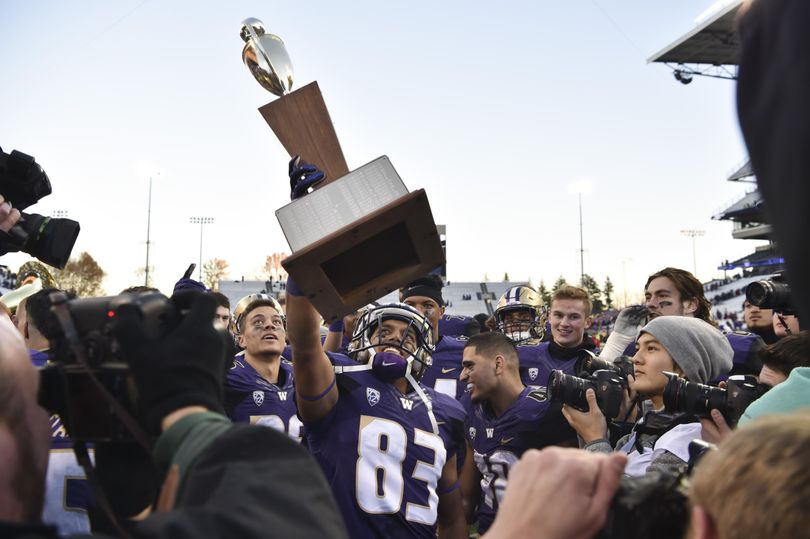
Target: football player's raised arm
(315, 388)
(451, 515)
(470, 486)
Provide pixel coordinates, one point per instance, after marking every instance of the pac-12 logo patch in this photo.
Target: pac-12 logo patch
(372, 395)
(472, 433)
(258, 397)
(533, 373)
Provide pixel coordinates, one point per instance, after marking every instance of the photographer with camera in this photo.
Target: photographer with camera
(694, 350)
(216, 470)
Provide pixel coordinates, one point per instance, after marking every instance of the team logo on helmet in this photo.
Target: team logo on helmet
(372, 395)
(258, 397)
(533, 373)
(521, 314)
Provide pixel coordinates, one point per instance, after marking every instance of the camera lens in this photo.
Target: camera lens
(568, 389)
(691, 397)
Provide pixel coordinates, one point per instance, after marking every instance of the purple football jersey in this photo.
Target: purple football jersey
(498, 442)
(380, 455)
(443, 374)
(457, 325)
(252, 399)
(536, 364)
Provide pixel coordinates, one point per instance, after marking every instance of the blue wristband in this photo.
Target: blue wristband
(322, 395)
(336, 326)
(292, 288)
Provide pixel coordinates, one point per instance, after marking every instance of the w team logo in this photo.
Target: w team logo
(533, 373)
(372, 395)
(258, 397)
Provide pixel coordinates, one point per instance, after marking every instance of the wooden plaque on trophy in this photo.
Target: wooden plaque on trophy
(370, 243)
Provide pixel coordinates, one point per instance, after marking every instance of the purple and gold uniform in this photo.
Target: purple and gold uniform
(498, 443)
(443, 374)
(249, 398)
(381, 457)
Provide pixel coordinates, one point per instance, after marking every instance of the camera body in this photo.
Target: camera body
(88, 372)
(773, 293)
(610, 389)
(588, 363)
(23, 183)
(741, 390)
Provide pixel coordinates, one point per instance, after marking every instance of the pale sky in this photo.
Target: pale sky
(494, 109)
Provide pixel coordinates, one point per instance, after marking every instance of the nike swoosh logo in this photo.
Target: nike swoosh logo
(384, 364)
(505, 441)
(445, 371)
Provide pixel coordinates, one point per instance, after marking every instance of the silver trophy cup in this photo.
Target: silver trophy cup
(266, 57)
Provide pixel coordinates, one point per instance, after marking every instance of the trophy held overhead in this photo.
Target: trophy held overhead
(367, 215)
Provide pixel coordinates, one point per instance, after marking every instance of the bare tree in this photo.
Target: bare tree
(82, 276)
(212, 271)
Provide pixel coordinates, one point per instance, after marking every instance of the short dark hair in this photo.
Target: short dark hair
(38, 312)
(222, 299)
(689, 288)
(787, 353)
(252, 306)
(493, 343)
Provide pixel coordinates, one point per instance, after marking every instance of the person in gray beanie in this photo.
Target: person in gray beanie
(689, 347)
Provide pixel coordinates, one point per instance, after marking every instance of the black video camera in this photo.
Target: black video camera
(23, 183)
(700, 399)
(773, 293)
(609, 387)
(88, 383)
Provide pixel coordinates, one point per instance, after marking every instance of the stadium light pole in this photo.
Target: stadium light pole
(579, 188)
(693, 233)
(148, 231)
(201, 221)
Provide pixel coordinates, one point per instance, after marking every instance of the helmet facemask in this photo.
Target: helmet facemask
(368, 345)
(521, 299)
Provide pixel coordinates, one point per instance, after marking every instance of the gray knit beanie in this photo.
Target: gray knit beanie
(699, 349)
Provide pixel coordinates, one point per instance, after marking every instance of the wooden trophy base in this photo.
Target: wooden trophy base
(369, 258)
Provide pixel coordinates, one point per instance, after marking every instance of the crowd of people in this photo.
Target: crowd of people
(147, 416)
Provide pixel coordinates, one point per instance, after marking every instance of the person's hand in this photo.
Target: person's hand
(630, 320)
(185, 367)
(303, 176)
(590, 425)
(628, 412)
(558, 493)
(8, 215)
(714, 429)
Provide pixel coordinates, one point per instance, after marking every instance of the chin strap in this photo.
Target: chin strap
(340, 369)
(425, 399)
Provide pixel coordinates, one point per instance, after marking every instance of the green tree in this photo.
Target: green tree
(82, 276)
(544, 293)
(506, 276)
(560, 282)
(590, 284)
(607, 292)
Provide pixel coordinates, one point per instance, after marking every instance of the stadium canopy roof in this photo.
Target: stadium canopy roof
(744, 172)
(711, 44)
